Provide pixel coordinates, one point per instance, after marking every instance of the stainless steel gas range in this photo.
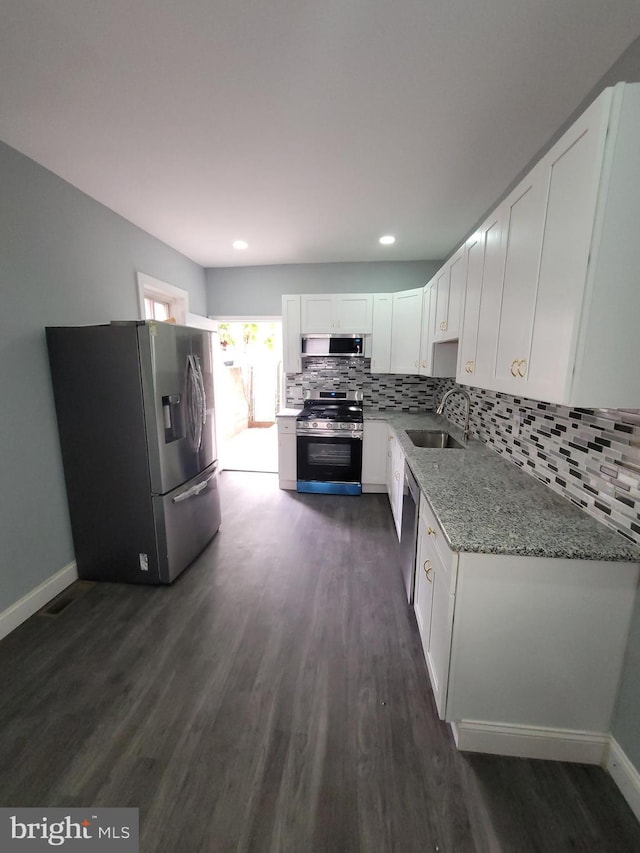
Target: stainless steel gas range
(329, 442)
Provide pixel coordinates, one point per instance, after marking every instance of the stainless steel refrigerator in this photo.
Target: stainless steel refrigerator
(134, 403)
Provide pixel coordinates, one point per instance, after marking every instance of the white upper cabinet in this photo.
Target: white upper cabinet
(493, 235)
(338, 312)
(484, 266)
(577, 180)
(436, 359)
(381, 333)
(567, 330)
(467, 348)
(291, 347)
(426, 334)
(524, 224)
(406, 326)
(448, 296)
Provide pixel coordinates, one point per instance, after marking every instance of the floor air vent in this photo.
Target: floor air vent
(60, 603)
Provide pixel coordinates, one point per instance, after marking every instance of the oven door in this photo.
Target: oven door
(329, 464)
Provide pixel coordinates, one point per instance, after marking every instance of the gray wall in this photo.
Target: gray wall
(257, 290)
(625, 69)
(64, 259)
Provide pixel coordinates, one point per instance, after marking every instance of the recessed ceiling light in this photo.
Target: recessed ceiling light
(240, 244)
(387, 240)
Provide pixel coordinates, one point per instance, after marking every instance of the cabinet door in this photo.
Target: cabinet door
(381, 333)
(287, 465)
(489, 312)
(405, 331)
(434, 601)
(457, 273)
(353, 313)
(423, 596)
(439, 651)
(468, 343)
(395, 479)
(573, 167)
(524, 224)
(398, 485)
(449, 294)
(440, 304)
(389, 462)
(426, 342)
(479, 332)
(291, 344)
(316, 313)
(374, 452)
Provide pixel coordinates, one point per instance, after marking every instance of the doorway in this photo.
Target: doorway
(248, 381)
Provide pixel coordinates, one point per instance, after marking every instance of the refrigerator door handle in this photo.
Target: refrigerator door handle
(194, 490)
(195, 402)
(203, 393)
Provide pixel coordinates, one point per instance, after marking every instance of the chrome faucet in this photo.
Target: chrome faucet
(440, 409)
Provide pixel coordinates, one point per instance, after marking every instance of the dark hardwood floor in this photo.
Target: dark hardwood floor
(275, 698)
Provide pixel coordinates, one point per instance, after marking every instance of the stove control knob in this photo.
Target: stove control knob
(314, 424)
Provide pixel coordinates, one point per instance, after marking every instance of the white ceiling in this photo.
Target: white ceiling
(307, 128)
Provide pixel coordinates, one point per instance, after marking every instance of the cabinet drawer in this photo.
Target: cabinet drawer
(436, 545)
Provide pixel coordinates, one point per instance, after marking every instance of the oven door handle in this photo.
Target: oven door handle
(313, 433)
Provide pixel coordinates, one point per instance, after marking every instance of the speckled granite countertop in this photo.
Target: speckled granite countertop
(486, 504)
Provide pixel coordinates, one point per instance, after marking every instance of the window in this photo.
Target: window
(154, 309)
(158, 300)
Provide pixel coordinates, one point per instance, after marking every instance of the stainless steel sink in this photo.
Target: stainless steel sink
(433, 438)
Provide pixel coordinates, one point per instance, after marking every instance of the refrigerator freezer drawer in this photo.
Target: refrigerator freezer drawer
(186, 520)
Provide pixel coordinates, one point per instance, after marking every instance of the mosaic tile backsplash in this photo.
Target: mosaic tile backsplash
(385, 391)
(590, 456)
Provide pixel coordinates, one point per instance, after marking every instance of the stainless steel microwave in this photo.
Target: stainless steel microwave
(340, 345)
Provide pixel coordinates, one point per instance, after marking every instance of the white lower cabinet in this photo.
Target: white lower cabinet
(434, 601)
(287, 452)
(524, 654)
(374, 456)
(395, 479)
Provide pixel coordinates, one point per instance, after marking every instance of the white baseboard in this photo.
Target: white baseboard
(378, 488)
(37, 598)
(624, 774)
(531, 742)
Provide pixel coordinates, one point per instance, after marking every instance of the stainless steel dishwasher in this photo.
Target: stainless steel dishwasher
(409, 531)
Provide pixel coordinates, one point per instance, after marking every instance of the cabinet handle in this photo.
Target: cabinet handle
(514, 369)
(428, 571)
(443, 326)
(423, 364)
(397, 475)
(522, 370)
(417, 365)
(431, 531)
